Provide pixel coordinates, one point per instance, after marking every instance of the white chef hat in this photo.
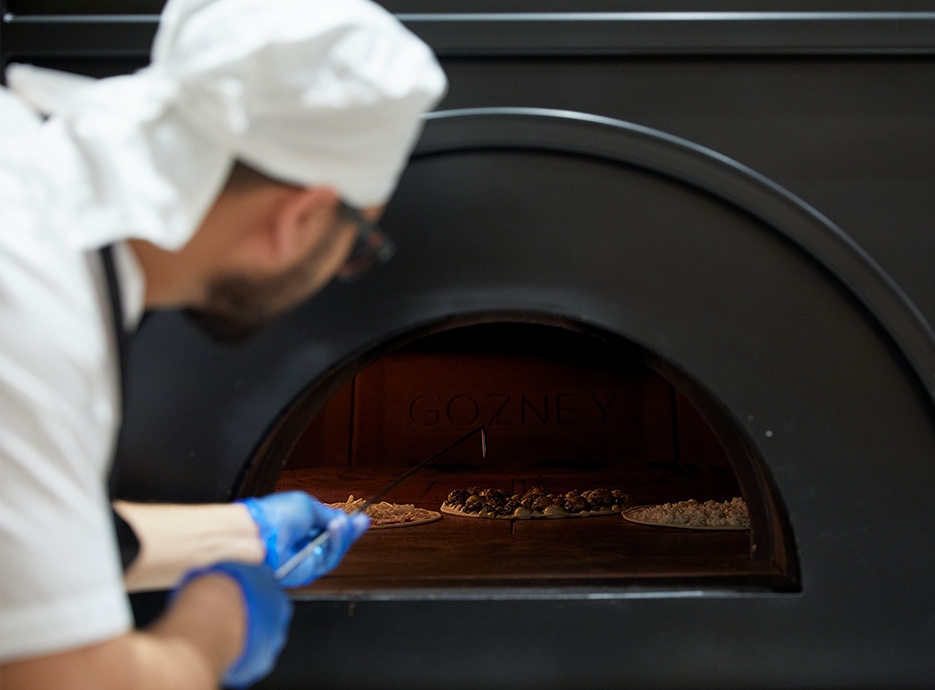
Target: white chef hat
(309, 92)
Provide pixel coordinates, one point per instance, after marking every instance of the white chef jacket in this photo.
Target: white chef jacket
(60, 576)
(310, 92)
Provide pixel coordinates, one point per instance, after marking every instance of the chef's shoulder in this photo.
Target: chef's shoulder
(16, 115)
(19, 123)
(41, 272)
(20, 129)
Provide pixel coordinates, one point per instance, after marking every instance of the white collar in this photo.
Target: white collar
(132, 282)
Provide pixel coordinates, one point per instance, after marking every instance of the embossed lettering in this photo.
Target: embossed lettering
(565, 409)
(464, 404)
(504, 409)
(604, 405)
(495, 418)
(430, 414)
(525, 403)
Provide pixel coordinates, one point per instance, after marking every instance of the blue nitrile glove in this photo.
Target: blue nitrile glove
(288, 521)
(268, 612)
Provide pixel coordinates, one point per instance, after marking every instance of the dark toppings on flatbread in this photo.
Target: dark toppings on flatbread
(537, 502)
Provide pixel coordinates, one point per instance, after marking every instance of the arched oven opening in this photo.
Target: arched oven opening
(565, 406)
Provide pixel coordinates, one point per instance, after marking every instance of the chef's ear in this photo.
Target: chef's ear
(302, 218)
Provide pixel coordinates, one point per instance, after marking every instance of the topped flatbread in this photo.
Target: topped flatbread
(384, 515)
(692, 514)
(537, 502)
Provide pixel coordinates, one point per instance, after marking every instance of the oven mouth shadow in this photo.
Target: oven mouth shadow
(567, 406)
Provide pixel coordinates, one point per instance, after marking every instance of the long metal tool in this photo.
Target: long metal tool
(307, 550)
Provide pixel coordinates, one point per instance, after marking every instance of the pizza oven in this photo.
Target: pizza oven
(687, 254)
(563, 406)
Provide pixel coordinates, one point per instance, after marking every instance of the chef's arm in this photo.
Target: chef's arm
(177, 538)
(187, 649)
(174, 539)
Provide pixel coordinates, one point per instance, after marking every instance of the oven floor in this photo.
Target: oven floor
(470, 552)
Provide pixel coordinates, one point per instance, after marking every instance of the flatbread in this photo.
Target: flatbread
(690, 514)
(503, 504)
(384, 515)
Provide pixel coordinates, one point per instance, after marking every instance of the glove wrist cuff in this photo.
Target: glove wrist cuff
(266, 531)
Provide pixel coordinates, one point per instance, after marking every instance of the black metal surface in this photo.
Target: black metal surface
(603, 138)
(758, 217)
(30, 37)
(85, 7)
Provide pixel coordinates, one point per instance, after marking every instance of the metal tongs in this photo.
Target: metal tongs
(307, 550)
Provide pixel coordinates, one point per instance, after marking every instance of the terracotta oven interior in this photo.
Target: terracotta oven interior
(562, 408)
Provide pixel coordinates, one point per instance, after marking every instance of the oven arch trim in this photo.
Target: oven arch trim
(711, 172)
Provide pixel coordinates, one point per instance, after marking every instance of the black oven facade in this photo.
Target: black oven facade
(743, 195)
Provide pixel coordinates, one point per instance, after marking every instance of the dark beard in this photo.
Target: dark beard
(222, 329)
(238, 306)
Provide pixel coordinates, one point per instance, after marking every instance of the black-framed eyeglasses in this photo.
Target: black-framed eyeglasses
(371, 248)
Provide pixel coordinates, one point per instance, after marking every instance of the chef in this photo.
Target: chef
(231, 178)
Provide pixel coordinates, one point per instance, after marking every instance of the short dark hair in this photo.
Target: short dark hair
(244, 177)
